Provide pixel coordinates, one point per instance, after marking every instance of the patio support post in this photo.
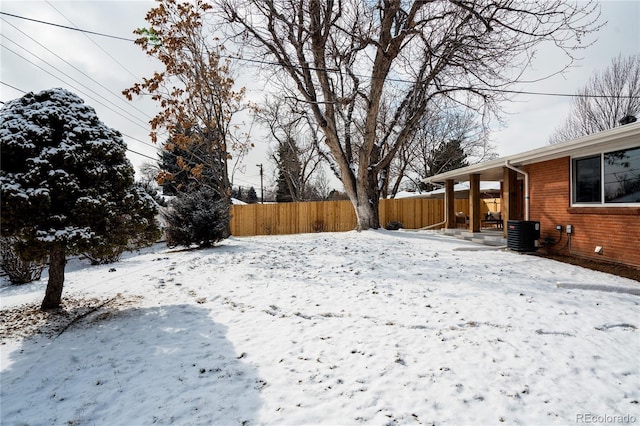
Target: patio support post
(526, 187)
(509, 197)
(474, 203)
(449, 204)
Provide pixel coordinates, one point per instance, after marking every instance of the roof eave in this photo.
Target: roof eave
(618, 138)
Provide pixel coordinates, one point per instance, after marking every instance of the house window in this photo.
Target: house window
(586, 180)
(609, 178)
(622, 176)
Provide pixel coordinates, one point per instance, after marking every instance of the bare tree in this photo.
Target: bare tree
(445, 139)
(608, 97)
(149, 172)
(296, 154)
(322, 185)
(345, 58)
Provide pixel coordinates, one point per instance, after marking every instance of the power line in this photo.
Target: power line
(119, 97)
(399, 80)
(13, 87)
(123, 134)
(141, 154)
(142, 142)
(89, 96)
(66, 27)
(525, 92)
(396, 80)
(92, 41)
(66, 75)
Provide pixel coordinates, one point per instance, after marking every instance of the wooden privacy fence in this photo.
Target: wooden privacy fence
(338, 216)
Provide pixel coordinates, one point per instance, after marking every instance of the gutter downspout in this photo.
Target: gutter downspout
(526, 187)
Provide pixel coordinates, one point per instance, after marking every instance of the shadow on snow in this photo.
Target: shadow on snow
(165, 364)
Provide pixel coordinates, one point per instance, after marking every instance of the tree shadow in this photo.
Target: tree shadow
(163, 365)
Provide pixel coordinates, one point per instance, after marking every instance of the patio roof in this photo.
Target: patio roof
(622, 137)
(461, 190)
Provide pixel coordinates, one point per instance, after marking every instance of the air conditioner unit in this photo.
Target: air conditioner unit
(523, 235)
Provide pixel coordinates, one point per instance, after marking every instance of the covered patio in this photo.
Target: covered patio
(509, 184)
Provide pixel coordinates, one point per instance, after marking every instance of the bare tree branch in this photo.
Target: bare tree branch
(609, 96)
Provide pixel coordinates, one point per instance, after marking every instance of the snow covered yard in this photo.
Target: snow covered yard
(375, 327)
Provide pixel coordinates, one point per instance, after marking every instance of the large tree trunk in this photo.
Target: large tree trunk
(367, 202)
(53, 295)
(367, 215)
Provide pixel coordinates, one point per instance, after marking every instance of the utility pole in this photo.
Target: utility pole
(261, 185)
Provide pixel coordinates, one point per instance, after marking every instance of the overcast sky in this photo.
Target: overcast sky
(35, 57)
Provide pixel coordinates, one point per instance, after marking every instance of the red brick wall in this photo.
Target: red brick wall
(615, 229)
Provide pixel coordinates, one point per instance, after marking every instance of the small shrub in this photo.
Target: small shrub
(394, 225)
(18, 270)
(267, 228)
(200, 217)
(318, 226)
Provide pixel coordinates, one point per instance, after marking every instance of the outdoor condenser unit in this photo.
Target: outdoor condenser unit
(522, 235)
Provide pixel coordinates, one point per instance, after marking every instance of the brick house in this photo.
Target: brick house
(591, 183)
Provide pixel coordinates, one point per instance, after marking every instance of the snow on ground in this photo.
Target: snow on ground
(375, 327)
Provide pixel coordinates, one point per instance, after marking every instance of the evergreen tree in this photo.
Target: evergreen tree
(136, 228)
(283, 193)
(448, 156)
(199, 217)
(67, 186)
(238, 194)
(190, 168)
(170, 177)
(151, 189)
(252, 197)
(187, 163)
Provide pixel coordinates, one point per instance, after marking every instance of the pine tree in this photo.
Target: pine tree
(283, 194)
(239, 195)
(194, 172)
(67, 186)
(136, 228)
(199, 217)
(252, 197)
(186, 167)
(448, 156)
(170, 177)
